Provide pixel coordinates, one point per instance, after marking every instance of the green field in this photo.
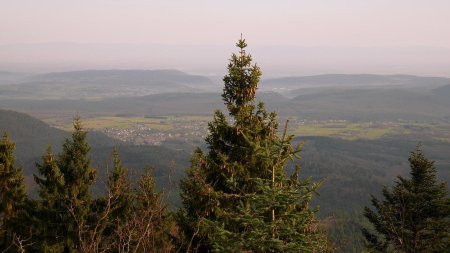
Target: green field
(163, 124)
(373, 130)
(338, 129)
(349, 131)
(126, 123)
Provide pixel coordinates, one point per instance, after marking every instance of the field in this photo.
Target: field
(163, 123)
(144, 130)
(100, 123)
(194, 128)
(371, 130)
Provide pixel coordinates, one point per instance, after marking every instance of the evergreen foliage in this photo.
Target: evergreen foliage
(65, 192)
(68, 219)
(51, 209)
(414, 215)
(145, 226)
(150, 213)
(13, 196)
(238, 197)
(120, 187)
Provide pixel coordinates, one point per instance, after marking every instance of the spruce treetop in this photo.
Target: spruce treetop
(422, 169)
(241, 82)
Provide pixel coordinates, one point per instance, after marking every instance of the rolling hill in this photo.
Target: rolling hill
(443, 92)
(349, 104)
(286, 85)
(150, 105)
(372, 104)
(103, 83)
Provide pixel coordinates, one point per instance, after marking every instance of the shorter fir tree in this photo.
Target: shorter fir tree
(114, 209)
(65, 191)
(147, 226)
(414, 215)
(120, 189)
(51, 209)
(13, 195)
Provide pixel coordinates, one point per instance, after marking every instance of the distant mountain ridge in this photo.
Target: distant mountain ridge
(100, 84)
(288, 84)
(132, 76)
(7, 77)
(348, 104)
(95, 84)
(163, 92)
(443, 92)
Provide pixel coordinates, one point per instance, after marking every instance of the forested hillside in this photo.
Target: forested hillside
(353, 104)
(32, 137)
(95, 84)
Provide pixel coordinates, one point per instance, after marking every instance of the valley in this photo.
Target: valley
(356, 138)
(193, 128)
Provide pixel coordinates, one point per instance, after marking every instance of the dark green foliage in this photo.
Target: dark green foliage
(237, 197)
(12, 196)
(79, 176)
(414, 215)
(146, 225)
(52, 180)
(120, 187)
(74, 164)
(65, 192)
(344, 231)
(51, 213)
(127, 219)
(115, 208)
(123, 220)
(150, 213)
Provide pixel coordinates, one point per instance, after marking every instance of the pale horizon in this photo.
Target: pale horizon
(198, 36)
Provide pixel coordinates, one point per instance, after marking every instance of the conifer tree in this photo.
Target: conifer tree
(120, 188)
(51, 208)
(117, 205)
(147, 227)
(79, 176)
(414, 215)
(237, 197)
(65, 187)
(12, 194)
(52, 181)
(155, 223)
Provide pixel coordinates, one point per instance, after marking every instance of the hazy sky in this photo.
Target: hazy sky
(362, 28)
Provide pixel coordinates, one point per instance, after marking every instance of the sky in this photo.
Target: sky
(286, 37)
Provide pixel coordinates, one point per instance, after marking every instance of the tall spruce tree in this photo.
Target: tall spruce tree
(12, 195)
(414, 215)
(237, 197)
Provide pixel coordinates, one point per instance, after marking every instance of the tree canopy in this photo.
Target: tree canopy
(414, 215)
